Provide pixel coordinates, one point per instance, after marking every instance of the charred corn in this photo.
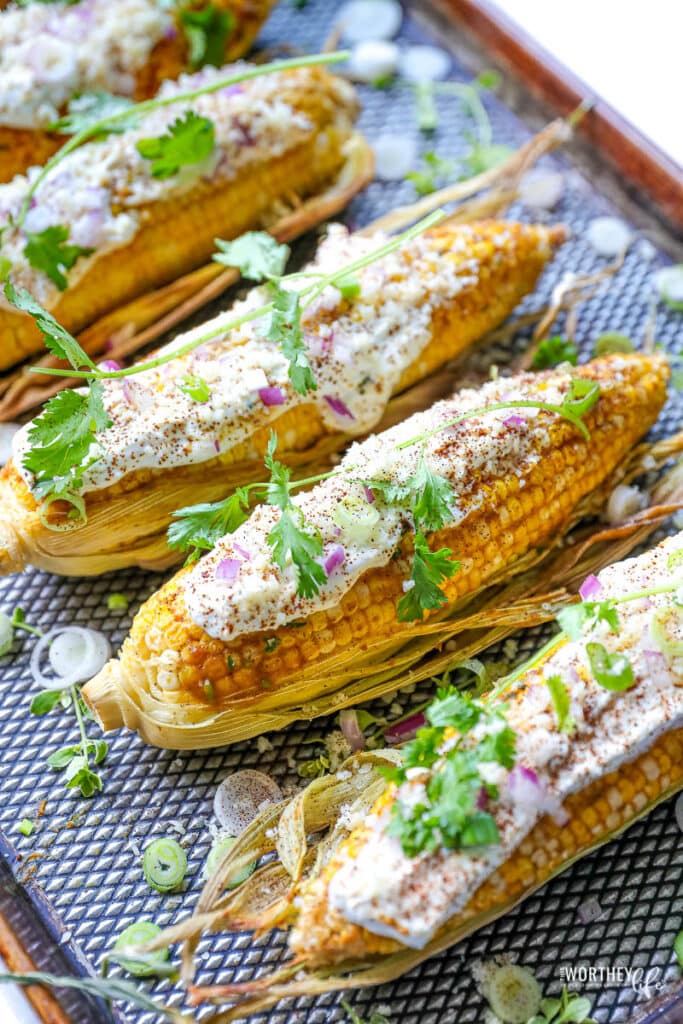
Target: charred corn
(126, 48)
(130, 225)
(233, 645)
(416, 309)
(577, 782)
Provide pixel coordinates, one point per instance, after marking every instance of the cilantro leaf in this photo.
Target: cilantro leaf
(430, 569)
(48, 252)
(289, 539)
(194, 387)
(483, 157)
(553, 351)
(256, 254)
(576, 618)
(89, 109)
(454, 709)
(57, 339)
(611, 671)
(432, 498)
(188, 140)
(559, 695)
(62, 436)
(198, 528)
(207, 29)
(284, 328)
(436, 172)
(278, 485)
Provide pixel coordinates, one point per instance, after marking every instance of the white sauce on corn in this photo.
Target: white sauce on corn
(263, 597)
(410, 899)
(100, 190)
(357, 351)
(50, 52)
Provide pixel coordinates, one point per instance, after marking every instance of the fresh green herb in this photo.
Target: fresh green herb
(678, 948)
(117, 603)
(188, 140)
(576, 618)
(207, 30)
(430, 569)
(427, 114)
(568, 1009)
(612, 341)
(48, 252)
(75, 759)
(199, 527)
(435, 173)
(137, 934)
(482, 157)
(284, 328)
(553, 351)
(271, 643)
(675, 560)
(164, 863)
(374, 1018)
(428, 495)
(452, 816)
(61, 439)
(611, 671)
(56, 338)
(315, 768)
(89, 109)
(26, 827)
(559, 694)
(256, 254)
(195, 387)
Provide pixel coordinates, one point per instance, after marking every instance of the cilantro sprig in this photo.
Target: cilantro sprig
(78, 761)
(553, 351)
(49, 252)
(452, 816)
(207, 30)
(190, 139)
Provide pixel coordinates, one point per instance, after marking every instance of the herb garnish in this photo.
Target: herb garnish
(48, 252)
(430, 569)
(90, 108)
(75, 759)
(187, 140)
(555, 350)
(559, 694)
(194, 387)
(207, 29)
(452, 816)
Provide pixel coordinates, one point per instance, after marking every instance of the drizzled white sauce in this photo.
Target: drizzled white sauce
(410, 899)
(50, 52)
(357, 359)
(99, 189)
(264, 597)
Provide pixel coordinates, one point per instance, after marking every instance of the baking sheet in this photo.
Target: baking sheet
(82, 867)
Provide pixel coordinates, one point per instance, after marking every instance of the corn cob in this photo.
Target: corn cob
(162, 53)
(206, 665)
(361, 911)
(279, 136)
(599, 802)
(129, 508)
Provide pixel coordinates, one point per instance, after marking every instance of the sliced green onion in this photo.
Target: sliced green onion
(217, 852)
(117, 603)
(356, 518)
(26, 827)
(612, 341)
(660, 634)
(678, 948)
(164, 864)
(513, 993)
(6, 634)
(137, 934)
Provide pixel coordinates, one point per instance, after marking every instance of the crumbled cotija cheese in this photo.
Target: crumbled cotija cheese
(50, 52)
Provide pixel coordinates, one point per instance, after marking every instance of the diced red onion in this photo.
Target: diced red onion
(590, 587)
(589, 911)
(524, 785)
(246, 555)
(334, 559)
(405, 730)
(127, 392)
(350, 727)
(217, 444)
(369, 495)
(513, 421)
(482, 799)
(227, 569)
(336, 405)
(272, 396)
(109, 364)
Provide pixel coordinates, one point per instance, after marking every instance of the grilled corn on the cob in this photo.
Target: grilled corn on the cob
(416, 309)
(621, 755)
(275, 137)
(50, 53)
(230, 647)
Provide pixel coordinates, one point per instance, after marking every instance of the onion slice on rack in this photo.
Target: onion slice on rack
(75, 653)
